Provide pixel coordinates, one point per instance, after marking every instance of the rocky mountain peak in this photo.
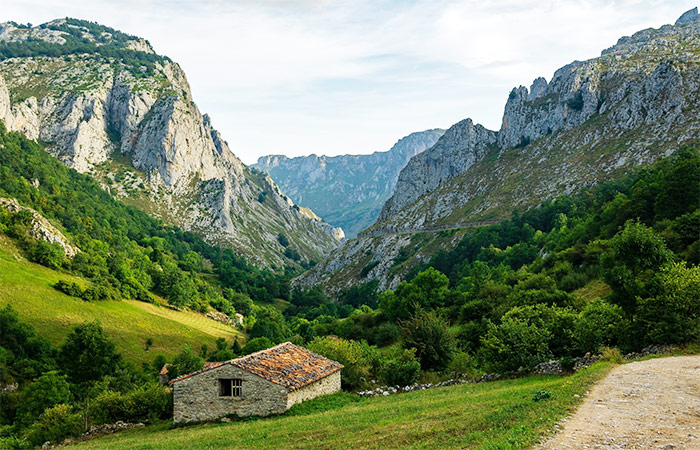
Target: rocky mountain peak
(114, 109)
(688, 16)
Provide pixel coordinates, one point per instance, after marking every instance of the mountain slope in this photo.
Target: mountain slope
(349, 190)
(107, 105)
(27, 287)
(595, 120)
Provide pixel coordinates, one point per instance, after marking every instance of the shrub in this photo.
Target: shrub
(69, 288)
(520, 340)
(256, 344)
(148, 403)
(186, 362)
(47, 391)
(386, 334)
(54, 425)
(541, 395)
(48, 254)
(599, 324)
(611, 354)
(462, 364)
(357, 358)
(428, 333)
(672, 314)
(401, 370)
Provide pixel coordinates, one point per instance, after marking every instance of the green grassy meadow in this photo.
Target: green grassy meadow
(28, 288)
(496, 415)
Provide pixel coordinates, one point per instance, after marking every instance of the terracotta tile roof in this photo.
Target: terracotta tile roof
(285, 364)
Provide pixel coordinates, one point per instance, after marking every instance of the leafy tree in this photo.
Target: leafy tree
(185, 362)
(88, 355)
(671, 315)
(637, 253)
(45, 392)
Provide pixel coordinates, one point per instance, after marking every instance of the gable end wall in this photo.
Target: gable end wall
(197, 398)
(324, 386)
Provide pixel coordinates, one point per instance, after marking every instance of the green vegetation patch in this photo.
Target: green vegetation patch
(497, 415)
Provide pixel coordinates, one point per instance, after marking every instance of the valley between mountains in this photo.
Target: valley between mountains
(466, 288)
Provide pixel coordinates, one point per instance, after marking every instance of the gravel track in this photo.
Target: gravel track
(644, 405)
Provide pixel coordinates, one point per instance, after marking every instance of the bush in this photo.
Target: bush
(69, 288)
(186, 362)
(541, 395)
(358, 358)
(256, 344)
(599, 324)
(672, 314)
(401, 370)
(386, 334)
(462, 364)
(611, 354)
(54, 425)
(518, 341)
(148, 403)
(47, 254)
(428, 333)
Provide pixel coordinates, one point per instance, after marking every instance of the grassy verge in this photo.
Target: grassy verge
(498, 415)
(28, 288)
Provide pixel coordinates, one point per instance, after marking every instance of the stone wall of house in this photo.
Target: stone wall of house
(324, 386)
(197, 398)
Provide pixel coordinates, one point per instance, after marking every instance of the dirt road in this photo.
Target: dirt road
(646, 405)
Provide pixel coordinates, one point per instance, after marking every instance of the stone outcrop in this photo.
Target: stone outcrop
(688, 16)
(40, 228)
(349, 190)
(595, 120)
(144, 137)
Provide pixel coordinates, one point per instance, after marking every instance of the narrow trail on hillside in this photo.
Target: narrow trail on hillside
(644, 405)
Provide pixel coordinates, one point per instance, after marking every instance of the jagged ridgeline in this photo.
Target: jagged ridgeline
(595, 120)
(347, 190)
(104, 103)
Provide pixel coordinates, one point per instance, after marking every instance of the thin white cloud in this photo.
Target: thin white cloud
(324, 76)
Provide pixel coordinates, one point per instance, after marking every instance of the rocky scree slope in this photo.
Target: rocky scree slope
(348, 191)
(105, 104)
(594, 120)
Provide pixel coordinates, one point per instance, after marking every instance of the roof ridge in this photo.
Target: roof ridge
(260, 351)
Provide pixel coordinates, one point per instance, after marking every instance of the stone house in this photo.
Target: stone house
(266, 382)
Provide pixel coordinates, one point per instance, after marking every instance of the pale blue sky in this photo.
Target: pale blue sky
(297, 77)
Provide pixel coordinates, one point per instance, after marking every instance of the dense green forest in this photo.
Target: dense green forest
(99, 41)
(125, 252)
(612, 266)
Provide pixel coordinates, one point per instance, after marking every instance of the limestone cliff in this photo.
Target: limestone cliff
(349, 190)
(594, 120)
(126, 116)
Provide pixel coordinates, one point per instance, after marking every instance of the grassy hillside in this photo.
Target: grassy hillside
(497, 415)
(28, 288)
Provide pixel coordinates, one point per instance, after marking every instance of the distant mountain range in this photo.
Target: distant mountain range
(594, 120)
(107, 105)
(347, 191)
